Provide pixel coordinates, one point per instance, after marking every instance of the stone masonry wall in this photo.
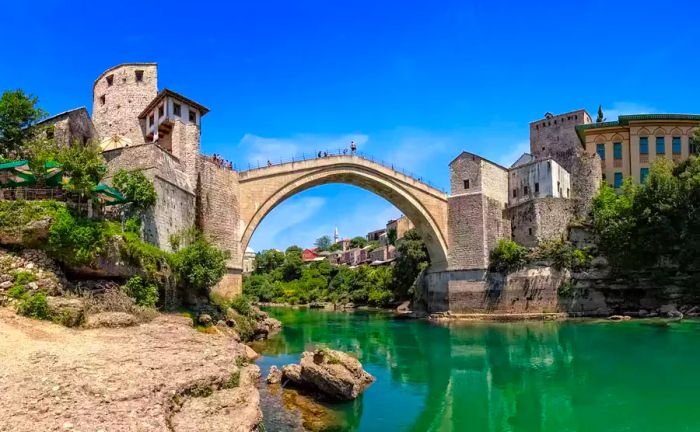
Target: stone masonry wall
(541, 219)
(175, 208)
(466, 232)
(218, 215)
(116, 106)
(586, 179)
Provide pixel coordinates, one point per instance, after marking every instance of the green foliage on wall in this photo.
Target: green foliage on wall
(136, 187)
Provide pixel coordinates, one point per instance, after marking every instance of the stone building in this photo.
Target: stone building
(248, 261)
(68, 127)
(628, 146)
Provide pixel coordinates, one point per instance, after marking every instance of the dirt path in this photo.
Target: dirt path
(134, 379)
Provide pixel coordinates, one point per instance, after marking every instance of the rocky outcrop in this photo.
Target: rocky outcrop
(110, 263)
(158, 376)
(68, 311)
(111, 320)
(32, 233)
(335, 374)
(46, 274)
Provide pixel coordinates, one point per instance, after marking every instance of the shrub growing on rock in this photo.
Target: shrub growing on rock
(143, 292)
(507, 256)
(137, 188)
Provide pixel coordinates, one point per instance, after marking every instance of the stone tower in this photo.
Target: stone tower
(119, 95)
(555, 136)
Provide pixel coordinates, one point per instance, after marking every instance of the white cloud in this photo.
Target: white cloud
(288, 217)
(624, 108)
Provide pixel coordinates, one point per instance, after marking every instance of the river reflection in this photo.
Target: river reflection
(534, 376)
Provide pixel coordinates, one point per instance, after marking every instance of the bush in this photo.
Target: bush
(75, 240)
(563, 255)
(200, 265)
(144, 293)
(242, 305)
(16, 291)
(35, 306)
(507, 256)
(23, 277)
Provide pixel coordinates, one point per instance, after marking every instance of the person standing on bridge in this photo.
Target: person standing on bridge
(269, 163)
(353, 147)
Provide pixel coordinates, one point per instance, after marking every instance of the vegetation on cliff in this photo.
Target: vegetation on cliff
(283, 277)
(655, 224)
(509, 256)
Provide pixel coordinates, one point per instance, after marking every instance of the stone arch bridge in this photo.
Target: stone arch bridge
(262, 189)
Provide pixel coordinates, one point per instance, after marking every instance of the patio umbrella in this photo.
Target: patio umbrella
(109, 195)
(16, 173)
(54, 174)
(114, 142)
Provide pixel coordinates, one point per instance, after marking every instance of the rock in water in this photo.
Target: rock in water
(274, 376)
(333, 373)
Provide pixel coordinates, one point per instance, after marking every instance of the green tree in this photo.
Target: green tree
(84, 166)
(391, 236)
(292, 266)
(335, 247)
(268, 260)
(323, 243)
(358, 242)
(600, 118)
(136, 187)
(18, 111)
(411, 259)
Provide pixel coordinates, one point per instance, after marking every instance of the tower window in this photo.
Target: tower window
(193, 116)
(110, 80)
(525, 190)
(176, 109)
(529, 231)
(139, 75)
(466, 184)
(537, 187)
(103, 99)
(515, 193)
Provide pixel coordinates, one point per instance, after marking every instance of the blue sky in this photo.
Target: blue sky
(412, 82)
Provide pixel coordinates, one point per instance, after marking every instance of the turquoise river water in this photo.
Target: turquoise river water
(524, 376)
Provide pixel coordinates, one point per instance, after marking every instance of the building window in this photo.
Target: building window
(139, 75)
(600, 149)
(49, 132)
(660, 145)
(103, 99)
(604, 177)
(618, 180)
(567, 192)
(537, 187)
(515, 193)
(643, 145)
(692, 146)
(176, 109)
(110, 80)
(466, 184)
(529, 231)
(617, 151)
(643, 173)
(161, 111)
(525, 190)
(193, 116)
(676, 145)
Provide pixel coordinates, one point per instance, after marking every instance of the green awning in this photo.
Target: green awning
(109, 195)
(16, 173)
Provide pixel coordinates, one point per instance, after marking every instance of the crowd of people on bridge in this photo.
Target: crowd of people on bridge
(221, 162)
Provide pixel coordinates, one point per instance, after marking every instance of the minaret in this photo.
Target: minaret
(336, 238)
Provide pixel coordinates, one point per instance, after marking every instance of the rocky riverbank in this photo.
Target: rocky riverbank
(158, 376)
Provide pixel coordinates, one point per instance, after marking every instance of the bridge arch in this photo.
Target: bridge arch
(263, 189)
